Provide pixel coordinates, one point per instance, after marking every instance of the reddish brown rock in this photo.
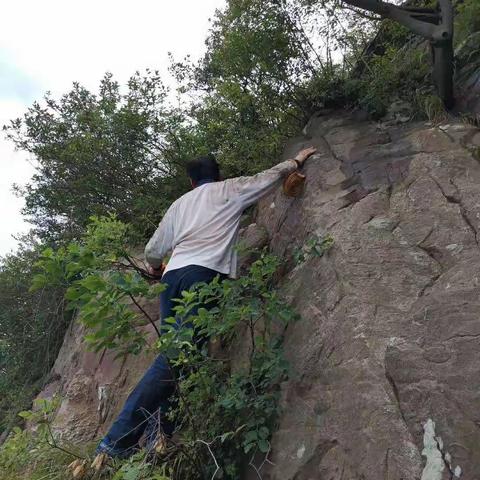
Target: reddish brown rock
(92, 386)
(389, 343)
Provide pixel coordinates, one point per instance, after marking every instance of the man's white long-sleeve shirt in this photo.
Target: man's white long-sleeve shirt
(201, 227)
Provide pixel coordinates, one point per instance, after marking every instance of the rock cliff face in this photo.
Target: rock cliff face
(92, 386)
(387, 374)
(386, 358)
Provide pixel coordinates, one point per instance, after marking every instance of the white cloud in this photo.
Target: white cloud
(14, 83)
(14, 168)
(49, 44)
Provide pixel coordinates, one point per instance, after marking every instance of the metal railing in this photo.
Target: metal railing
(434, 24)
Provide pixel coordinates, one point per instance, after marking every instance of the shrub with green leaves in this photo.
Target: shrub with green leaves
(395, 70)
(35, 453)
(102, 284)
(226, 410)
(467, 19)
(314, 246)
(32, 325)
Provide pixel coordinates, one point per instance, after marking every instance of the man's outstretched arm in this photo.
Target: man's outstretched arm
(251, 189)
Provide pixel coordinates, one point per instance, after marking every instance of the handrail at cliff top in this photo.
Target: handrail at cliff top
(436, 25)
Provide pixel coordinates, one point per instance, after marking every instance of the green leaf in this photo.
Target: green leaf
(263, 445)
(26, 414)
(93, 283)
(251, 436)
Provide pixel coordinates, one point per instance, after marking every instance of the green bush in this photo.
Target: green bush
(396, 72)
(101, 282)
(35, 454)
(226, 413)
(467, 19)
(32, 326)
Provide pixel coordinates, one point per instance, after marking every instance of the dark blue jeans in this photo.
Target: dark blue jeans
(149, 402)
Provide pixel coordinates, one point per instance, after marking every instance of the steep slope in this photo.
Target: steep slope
(389, 341)
(92, 386)
(386, 357)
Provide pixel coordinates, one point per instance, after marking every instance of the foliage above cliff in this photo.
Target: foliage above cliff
(268, 66)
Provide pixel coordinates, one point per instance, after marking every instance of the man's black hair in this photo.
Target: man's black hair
(203, 168)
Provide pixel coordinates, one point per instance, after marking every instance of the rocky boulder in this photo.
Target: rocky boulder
(386, 356)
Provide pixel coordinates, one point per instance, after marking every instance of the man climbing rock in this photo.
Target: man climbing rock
(201, 229)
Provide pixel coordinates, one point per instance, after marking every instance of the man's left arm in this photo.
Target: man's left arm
(160, 243)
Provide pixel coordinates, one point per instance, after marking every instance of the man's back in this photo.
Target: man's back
(202, 226)
(205, 226)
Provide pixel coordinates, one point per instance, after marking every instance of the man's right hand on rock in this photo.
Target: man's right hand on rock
(304, 154)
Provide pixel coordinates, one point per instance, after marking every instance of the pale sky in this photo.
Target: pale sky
(46, 45)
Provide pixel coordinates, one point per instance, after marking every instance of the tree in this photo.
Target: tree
(95, 154)
(32, 326)
(250, 90)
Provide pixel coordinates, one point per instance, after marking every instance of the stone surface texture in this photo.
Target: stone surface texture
(386, 357)
(92, 386)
